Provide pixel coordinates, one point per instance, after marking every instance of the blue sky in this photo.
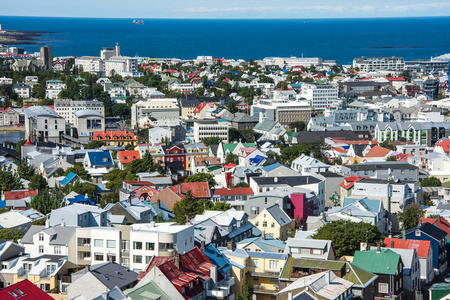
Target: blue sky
(227, 9)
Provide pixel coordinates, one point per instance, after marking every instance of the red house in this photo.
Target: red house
(174, 153)
(24, 290)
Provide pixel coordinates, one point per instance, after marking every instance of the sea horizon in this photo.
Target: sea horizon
(340, 39)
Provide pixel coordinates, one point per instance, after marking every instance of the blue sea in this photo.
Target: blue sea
(340, 39)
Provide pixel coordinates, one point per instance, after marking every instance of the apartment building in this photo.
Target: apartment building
(211, 128)
(43, 124)
(53, 88)
(421, 133)
(90, 64)
(155, 112)
(120, 64)
(66, 108)
(283, 111)
(22, 90)
(370, 64)
(320, 96)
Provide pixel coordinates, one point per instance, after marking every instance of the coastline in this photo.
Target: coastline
(17, 37)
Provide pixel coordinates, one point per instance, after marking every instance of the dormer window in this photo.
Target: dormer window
(105, 159)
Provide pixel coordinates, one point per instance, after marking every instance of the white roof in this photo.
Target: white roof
(12, 219)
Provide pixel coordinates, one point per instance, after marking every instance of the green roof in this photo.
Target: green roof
(213, 168)
(356, 275)
(446, 184)
(385, 262)
(149, 291)
(440, 287)
(79, 78)
(265, 125)
(229, 147)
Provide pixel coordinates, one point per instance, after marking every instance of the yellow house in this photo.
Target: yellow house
(274, 222)
(115, 138)
(260, 270)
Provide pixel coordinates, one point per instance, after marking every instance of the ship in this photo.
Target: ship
(138, 22)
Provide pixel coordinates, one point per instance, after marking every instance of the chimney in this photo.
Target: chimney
(349, 212)
(158, 203)
(328, 277)
(404, 235)
(378, 247)
(263, 234)
(176, 259)
(290, 297)
(392, 244)
(179, 188)
(213, 274)
(230, 245)
(129, 199)
(47, 223)
(202, 245)
(368, 247)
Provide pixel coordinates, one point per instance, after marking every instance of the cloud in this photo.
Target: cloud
(418, 7)
(203, 9)
(365, 8)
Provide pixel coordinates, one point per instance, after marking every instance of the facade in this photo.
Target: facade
(382, 170)
(78, 215)
(115, 138)
(66, 108)
(156, 112)
(282, 111)
(86, 122)
(307, 165)
(320, 96)
(53, 88)
(211, 128)
(274, 222)
(420, 133)
(43, 124)
(119, 65)
(370, 64)
(158, 135)
(22, 90)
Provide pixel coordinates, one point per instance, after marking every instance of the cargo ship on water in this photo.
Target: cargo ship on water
(138, 22)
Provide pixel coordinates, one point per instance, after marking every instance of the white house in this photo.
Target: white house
(308, 165)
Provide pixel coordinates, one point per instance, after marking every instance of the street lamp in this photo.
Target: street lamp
(390, 282)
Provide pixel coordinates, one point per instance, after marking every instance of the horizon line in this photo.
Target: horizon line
(237, 18)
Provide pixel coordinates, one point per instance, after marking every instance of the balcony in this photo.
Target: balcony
(227, 283)
(84, 247)
(266, 289)
(84, 261)
(221, 294)
(257, 272)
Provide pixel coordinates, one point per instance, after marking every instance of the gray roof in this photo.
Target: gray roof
(41, 111)
(286, 180)
(111, 274)
(279, 215)
(60, 235)
(381, 166)
(85, 113)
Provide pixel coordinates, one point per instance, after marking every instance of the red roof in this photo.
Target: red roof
(127, 156)
(395, 78)
(202, 105)
(350, 181)
(23, 290)
(20, 194)
(357, 142)
(137, 182)
(198, 189)
(445, 144)
(113, 135)
(339, 150)
(234, 191)
(144, 193)
(422, 247)
(230, 166)
(378, 151)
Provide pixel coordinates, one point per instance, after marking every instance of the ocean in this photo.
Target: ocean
(339, 39)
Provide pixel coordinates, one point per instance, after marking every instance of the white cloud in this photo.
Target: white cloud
(263, 9)
(418, 7)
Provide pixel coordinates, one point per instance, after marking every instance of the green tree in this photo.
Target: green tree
(121, 110)
(37, 182)
(109, 198)
(212, 140)
(426, 200)
(25, 170)
(232, 108)
(387, 144)
(159, 218)
(9, 180)
(298, 125)
(288, 154)
(242, 184)
(59, 172)
(19, 145)
(410, 217)
(94, 145)
(346, 236)
(11, 234)
(430, 181)
(129, 147)
(231, 158)
(45, 202)
(222, 206)
(186, 209)
(247, 293)
(202, 177)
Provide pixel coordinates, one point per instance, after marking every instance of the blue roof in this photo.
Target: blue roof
(71, 176)
(82, 199)
(272, 167)
(240, 230)
(257, 160)
(217, 258)
(163, 210)
(100, 158)
(373, 205)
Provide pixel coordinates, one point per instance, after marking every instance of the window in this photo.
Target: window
(41, 249)
(274, 265)
(294, 250)
(150, 246)
(401, 282)
(98, 243)
(417, 232)
(317, 251)
(147, 259)
(264, 223)
(137, 245)
(98, 256)
(255, 263)
(111, 244)
(383, 288)
(137, 259)
(273, 224)
(57, 250)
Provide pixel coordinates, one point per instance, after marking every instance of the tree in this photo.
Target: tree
(79, 170)
(298, 125)
(9, 180)
(129, 147)
(59, 172)
(346, 236)
(232, 108)
(426, 200)
(410, 217)
(37, 182)
(19, 145)
(109, 198)
(94, 145)
(387, 144)
(231, 158)
(202, 177)
(25, 170)
(188, 207)
(45, 202)
(222, 206)
(242, 184)
(212, 140)
(247, 293)
(288, 154)
(391, 158)
(159, 218)
(13, 234)
(121, 110)
(430, 181)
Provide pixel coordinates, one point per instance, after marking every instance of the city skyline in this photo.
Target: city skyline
(233, 9)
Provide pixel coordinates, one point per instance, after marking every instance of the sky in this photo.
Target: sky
(230, 9)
